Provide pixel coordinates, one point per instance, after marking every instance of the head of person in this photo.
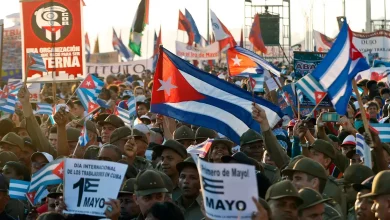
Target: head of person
(73, 135)
(290, 127)
(109, 152)
(39, 160)
(313, 206)
(14, 170)
(21, 129)
(149, 188)
(119, 137)
(27, 151)
(78, 109)
(252, 144)
(111, 123)
(138, 90)
(91, 131)
(172, 153)
(141, 140)
(164, 210)
(363, 205)
(284, 200)
(372, 109)
(168, 185)
(64, 88)
(219, 147)
(114, 92)
(349, 143)
(185, 135)
(322, 152)
(4, 197)
(13, 143)
(6, 126)
(91, 152)
(53, 136)
(385, 93)
(189, 181)
(202, 134)
(129, 209)
(142, 108)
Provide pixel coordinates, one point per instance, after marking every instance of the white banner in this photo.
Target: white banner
(108, 57)
(34, 89)
(130, 67)
(375, 43)
(211, 52)
(221, 196)
(90, 183)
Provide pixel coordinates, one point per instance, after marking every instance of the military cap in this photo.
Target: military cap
(310, 198)
(183, 133)
(73, 134)
(139, 134)
(281, 190)
(167, 181)
(149, 182)
(120, 133)
(91, 126)
(91, 153)
(28, 142)
(308, 166)
(323, 147)
(204, 133)
(224, 141)
(13, 139)
(173, 145)
(112, 120)
(128, 187)
(6, 125)
(56, 192)
(6, 156)
(293, 161)
(22, 125)
(356, 173)
(380, 184)
(250, 136)
(366, 184)
(188, 162)
(240, 157)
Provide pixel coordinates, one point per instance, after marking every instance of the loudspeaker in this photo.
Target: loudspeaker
(269, 26)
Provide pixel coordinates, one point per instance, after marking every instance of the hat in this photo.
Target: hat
(293, 161)
(48, 156)
(56, 192)
(291, 123)
(310, 198)
(173, 145)
(356, 173)
(308, 166)
(250, 136)
(28, 142)
(149, 182)
(22, 125)
(142, 128)
(73, 134)
(366, 184)
(349, 140)
(224, 141)
(91, 126)
(13, 139)
(323, 147)
(379, 185)
(112, 120)
(91, 153)
(6, 156)
(120, 133)
(7, 126)
(3, 184)
(167, 181)
(281, 190)
(188, 162)
(128, 187)
(240, 157)
(205, 133)
(138, 134)
(334, 138)
(183, 133)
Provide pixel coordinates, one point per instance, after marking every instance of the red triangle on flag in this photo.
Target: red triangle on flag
(253, 82)
(92, 107)
(59, 170)
(31, 197)
(319, 96)
(88, 83)
(52, 29)
(5, 93)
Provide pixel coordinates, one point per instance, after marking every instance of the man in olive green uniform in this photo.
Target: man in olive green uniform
(252, 145)
(202, 134)
(354, 174)
(313, 206)
(129, 209)
(184, 135)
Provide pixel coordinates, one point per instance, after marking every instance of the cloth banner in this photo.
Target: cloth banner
(377, 43)
(306, 62)
(131, 67)
(12, 54)
(109, 57)
(210, 52)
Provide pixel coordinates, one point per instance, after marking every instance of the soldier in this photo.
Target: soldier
(283, 199)
(168, 185)
(313, 206)
(184, 135)
(129, 209)
(309, 173)
(202, 134)
(381, 195)
(363, 205)
(219, 148)
(252, 145)
(354, 174)
(111, 123)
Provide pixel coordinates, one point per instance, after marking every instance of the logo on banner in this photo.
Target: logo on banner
(52, 22)
(305, 68)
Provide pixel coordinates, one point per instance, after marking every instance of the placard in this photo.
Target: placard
(271, 84)
(221, 197)
(90, 183)
(12, 53)
(210, 52)
(306, 62)
(35, 90)
(109, 57)
(131, 67)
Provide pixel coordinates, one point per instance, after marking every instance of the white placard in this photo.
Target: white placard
(210, 52)
(228, 190)
(89, 183)
(131, 67)
(271, 84)
(35, 90)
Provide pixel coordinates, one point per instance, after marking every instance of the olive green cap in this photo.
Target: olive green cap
(173, 145)
(139, 134)
(91, 126)
(56, 191)
(310, 198)
(7, 156)
(205, 133)
(293, 161)
(281, 190)
(73, 134)
(13, 139)
(167, 181)
(183, 133)
(120, 133)
(250, 136)
(380, 185)
(323, 147)
(112, 120)
(149, 182)
(188, 162)
(128, 187)
(356, 173)
(22, 125)
(308, 166)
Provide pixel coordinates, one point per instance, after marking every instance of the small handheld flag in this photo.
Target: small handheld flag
(44, 109)
(84, 139)
(18, 189)
(36, 62)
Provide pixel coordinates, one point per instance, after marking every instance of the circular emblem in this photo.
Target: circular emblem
(52, 22)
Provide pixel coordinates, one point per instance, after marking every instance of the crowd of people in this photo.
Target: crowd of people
(306, 169)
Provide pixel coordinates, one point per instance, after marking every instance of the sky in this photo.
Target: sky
(100, 16)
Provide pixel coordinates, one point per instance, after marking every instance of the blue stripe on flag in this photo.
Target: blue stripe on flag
(9, 106)
(363, 150)
(131, 104)
(308, 85)
(39, 64)
(384, 131)
(124, 115)
(259, 78)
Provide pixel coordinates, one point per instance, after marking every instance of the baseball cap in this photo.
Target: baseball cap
(349, 140)
(48, 156)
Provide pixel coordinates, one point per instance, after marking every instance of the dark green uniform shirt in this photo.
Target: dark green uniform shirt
(141, 163)
(192, 212)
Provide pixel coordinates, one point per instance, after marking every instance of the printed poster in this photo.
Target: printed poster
(109, 57)
(136, 67)
(210, 52)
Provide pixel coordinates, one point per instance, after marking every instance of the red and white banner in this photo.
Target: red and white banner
(54, 29)
(210, 52)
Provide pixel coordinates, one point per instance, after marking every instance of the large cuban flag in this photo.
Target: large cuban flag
(184, 92)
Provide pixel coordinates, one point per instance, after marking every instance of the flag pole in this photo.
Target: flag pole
(315, 107)
(280, 88)
(27, 68)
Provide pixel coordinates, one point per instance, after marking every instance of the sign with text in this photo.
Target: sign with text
(90, 183)
(306, 62)
(221, 197)
(210, 52)
(35, 90)
(377, 42)
(54, 29)
(136, 67)
(109, 57)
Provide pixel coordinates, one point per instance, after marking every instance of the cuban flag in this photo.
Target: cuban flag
(259, 79)
(221, 33)
(124, 115)
(363, 150)
(102, 103)
(92, 107)
(200, 149)
(131, 105)
(194, 28)
(120, 47)
(311, 88)
(383, 131)
(87, 47)
(18, 189)
(84, 139)
(9, 106)
(14, 85)
(4, 92)
(300, 95)
(89, 90)
(44, 109)
(184, 92)
(37, 63)
(339, 67)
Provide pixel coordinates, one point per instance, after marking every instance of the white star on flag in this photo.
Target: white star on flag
(236, 61)
(319, 96)
(166, 86)
(61, 170)
(88, 83)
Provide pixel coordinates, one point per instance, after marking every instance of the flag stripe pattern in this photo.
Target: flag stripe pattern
(46, 176)
(84, 139)
(363, 150)
(120, 46)
(309, 86)
(9, 106)
(14, 85)
(300, 95)
(91, 93)
(18, 189)
(259, 78)
(124, 115)
(44, 109)
(132, 106)
(384, 131)
(37, 62)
